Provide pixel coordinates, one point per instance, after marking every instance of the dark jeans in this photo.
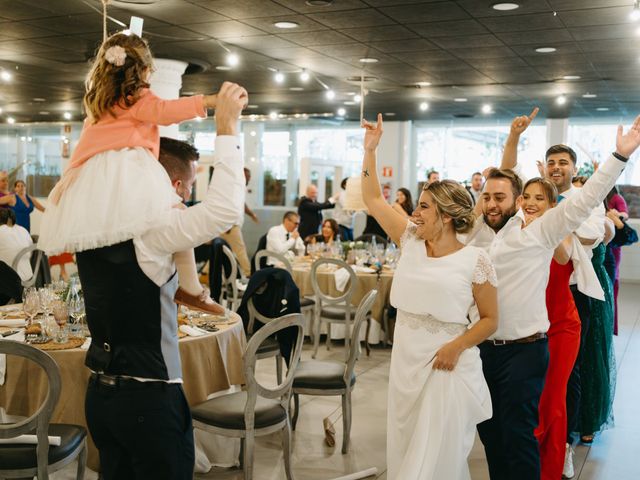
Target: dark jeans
(142, 430)
(346, 234)
(515, 374)
(583, 304)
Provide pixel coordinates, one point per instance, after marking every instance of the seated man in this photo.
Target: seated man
(14, 238)
(285, 237)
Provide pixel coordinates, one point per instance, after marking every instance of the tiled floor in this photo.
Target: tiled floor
(612, 456)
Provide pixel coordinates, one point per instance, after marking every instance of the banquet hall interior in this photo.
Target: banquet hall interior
(448, 77)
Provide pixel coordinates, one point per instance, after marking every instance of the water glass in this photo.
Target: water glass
(61, 315)
(30, 304)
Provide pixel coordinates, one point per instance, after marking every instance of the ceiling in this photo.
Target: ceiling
(464, 48)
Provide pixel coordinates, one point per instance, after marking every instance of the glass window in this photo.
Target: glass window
(334, 147)
(275, 164)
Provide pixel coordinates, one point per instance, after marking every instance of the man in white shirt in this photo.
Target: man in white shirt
(14, 238)
(515, 357)
(285, 237)
(476, 186)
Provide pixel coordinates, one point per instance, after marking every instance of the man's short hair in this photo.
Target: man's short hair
(290, 215)
(516, 182)
(176, 157)
(476, 173)
(6, 215)
(560, 148)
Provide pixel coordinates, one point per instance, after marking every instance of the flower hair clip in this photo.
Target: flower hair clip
(115, 55)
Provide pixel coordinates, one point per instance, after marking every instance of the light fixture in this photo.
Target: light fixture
(357, 98)
(279, 77)
(6, 76)
(43, 112)
(368, 60)
(460, 100)
(341, 112)
(561, 99)
(571, 77)
(67, 115)
(424, 106)
(487, 109)
(602, 109)
(223, 68)
(233, 59)
(635, 13)
(390, 114)
(589, 95)
(11, 120)
(503, 7)
(296, 89)
(253, 107)
(330, 94)
(319, 3)
(349, 103)
(304, 76)
(273, 115)
(286, 25)
(423, 84)
(39, 99)
(252, 133)
(0, 110)
(546, 49)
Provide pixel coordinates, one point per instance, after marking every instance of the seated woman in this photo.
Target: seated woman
(328, 233)
(14, 238)
(404, 203)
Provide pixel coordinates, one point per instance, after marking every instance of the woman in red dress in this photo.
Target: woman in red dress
(564, 337)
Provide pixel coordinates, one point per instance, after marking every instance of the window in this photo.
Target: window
(275, 164)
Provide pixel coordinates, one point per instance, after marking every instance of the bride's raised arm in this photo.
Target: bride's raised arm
(391, 221)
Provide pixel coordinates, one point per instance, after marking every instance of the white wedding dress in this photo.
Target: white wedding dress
(432, 414)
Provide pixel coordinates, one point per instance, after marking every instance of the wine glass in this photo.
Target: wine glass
(61, 315)
(30, 304)
(46, 300)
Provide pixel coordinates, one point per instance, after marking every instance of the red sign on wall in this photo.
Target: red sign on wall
(387, 171)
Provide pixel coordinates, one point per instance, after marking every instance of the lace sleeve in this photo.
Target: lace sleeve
(409, 232)
(484, 271)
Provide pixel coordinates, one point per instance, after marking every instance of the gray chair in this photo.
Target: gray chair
(38, 262)
(330, 309)
(258, 410)
(306, 304)
(270, 347)
(230, 295)
(330, 378)
(25, 461)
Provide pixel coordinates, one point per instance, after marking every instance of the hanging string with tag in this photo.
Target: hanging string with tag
(362, 94)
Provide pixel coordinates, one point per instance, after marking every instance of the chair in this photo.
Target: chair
(25, 461)
(270, 347)
(306, 304)
(262, 245)
(230, 293)
(331, 309)
(37, 263)
(368, 238)
(330, 378)
(258, 410)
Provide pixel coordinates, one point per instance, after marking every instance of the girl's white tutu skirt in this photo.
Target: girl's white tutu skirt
(117, 196)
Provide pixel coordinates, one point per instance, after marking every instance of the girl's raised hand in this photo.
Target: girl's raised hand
(372, 133)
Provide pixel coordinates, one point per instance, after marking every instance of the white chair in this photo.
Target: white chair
(230, 294)
(19, 256)
(270, 347)
(330, 309)
(25, 461)
(258, 410)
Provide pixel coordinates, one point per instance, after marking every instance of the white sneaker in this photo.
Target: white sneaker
(567, 470)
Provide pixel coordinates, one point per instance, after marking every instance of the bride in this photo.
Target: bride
(437, 392)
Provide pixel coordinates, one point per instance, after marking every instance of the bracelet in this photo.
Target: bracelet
(620, 157)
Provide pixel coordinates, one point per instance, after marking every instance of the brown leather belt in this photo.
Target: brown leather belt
(530, 339)
(119, 381)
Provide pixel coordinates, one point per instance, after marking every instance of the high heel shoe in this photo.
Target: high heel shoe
(587, 439)
(329, 432)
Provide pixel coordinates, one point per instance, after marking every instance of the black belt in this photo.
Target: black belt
(530, 339)
(116, 381)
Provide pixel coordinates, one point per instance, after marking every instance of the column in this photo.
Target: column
(166, 82)
(557, 131)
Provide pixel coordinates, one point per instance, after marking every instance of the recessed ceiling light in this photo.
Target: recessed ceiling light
(589, 95)
(423, 84)
(252, 107)
(296, 89)
(38, 99)
(43, 113)
(233, 59)
(223, 67)
(487, 109)
(460, 100)
(390, 114)
(503, 7)
(368, 60)
(67, 116)
(602, 109)
(546, 49)
(424, 106)
(286, 24)
(330, 94)
(561, 99)
(304, 76)
(6, 76)
(273, 115)
(571, 77)
(349, 103)
(635, 13)
(11, 120)
(279, 77)
(319, 3)
(357, 98)
(341, 112)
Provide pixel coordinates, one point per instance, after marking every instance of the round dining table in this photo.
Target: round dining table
(210, 363)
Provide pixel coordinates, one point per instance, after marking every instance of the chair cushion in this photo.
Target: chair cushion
(306, 302)
(228, 412)
(16, 457)
(335, 313)
(321, 375)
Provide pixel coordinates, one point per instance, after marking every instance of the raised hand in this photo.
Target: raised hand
(372, 134)
(520, 124)
(230, 101)
(628, 143)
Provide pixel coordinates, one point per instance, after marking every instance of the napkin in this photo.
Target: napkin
(192, 331)
(86, 344)
(341, 277)
(29, 440)
(12, 322)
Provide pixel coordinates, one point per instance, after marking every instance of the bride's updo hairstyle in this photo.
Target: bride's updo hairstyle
(453, 200)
